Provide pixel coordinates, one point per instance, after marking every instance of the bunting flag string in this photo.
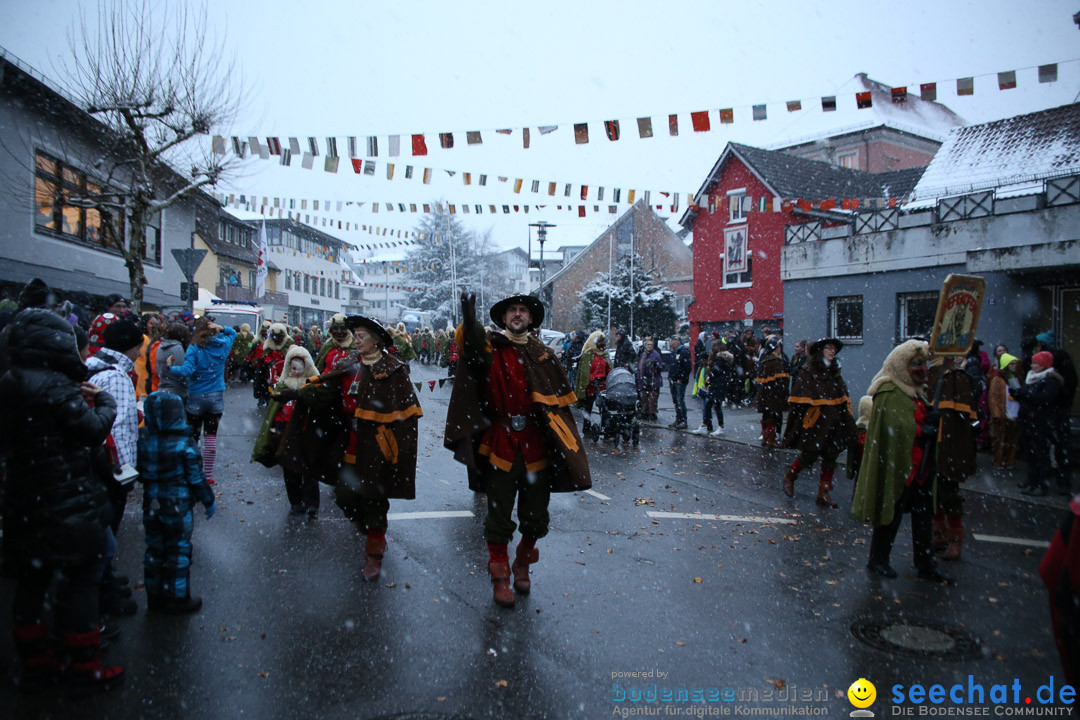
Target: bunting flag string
(700, 121)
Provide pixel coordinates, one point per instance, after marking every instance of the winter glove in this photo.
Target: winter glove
(211, 509)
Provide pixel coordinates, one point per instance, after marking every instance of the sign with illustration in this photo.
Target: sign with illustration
(735, 250)
(957, 316)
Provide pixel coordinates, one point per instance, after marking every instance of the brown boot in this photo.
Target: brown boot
(789, 478)
(824, 486)
(768, 436)
(375, 549)
(522, 560)
(956, 543)
(500, 582)
(940, 539)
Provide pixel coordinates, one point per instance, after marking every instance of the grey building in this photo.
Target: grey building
(1000, 200)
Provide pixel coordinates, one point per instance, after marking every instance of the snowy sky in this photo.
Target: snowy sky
(374, 68)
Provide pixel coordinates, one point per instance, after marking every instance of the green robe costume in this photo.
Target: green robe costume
(886, 461)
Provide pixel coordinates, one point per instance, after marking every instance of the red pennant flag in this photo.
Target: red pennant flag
(419, 146)
(431, 384)
(899, 94)
(892, 202)
(357, 165)
(700, 121)
(804, 205)
(863, 100)
(581, 211)
(673, 124)
(928, 92)
(611, 127)
(584, 192)
(828, 204)
(787, 206)
(581, 133)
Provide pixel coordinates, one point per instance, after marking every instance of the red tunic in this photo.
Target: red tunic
(507, 392)
(333, 357)
(917, 450)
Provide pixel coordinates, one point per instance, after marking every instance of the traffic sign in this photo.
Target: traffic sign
(189, 259)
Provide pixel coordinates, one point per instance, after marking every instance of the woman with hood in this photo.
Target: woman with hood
(650, 367)
(897, 472)
(271, 447)
(820, 422)
(1038, 398)
(1004, 411)
(592, 370)
(55, 508)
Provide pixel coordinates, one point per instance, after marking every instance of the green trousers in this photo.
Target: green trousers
(533, 494)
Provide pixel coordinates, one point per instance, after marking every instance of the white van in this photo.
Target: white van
(234, 314)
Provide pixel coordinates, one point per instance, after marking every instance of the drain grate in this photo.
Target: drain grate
(917, 639)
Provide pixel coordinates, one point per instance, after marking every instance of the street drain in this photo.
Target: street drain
(917, 639)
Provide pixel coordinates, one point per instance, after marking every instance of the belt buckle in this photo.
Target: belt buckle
(517, 422)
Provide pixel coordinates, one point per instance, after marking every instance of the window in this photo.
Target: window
(307, 284)
(322, 287)
(915, 314)
(152, 251)
(737, 259)
(337, 290)
(846, 318)
(288, 281)
(54, 186)
(738, 205)
(848, 160)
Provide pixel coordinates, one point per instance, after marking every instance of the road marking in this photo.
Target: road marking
(723, 518)
(428, 514)
(597, 495)
(1010, 541)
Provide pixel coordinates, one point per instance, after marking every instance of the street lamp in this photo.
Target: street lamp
(541, 236)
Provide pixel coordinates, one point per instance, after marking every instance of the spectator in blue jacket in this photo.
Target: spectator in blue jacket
(204, 366)
(679, 378)
(169, 469)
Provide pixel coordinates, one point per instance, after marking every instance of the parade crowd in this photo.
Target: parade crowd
(95, 407)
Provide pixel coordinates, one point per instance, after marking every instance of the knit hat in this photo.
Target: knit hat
(1044, 358)
(1046, 338)
(1007, 360)
(35, 294)
(122, 335)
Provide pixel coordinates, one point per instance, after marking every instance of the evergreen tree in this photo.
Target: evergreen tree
(653, 306)
(447, 250)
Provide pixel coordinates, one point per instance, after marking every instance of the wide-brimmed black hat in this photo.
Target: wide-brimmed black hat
(819, 345)
(536, 309)
(385, 338)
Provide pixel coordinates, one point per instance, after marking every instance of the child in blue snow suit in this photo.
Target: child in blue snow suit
(170, 468)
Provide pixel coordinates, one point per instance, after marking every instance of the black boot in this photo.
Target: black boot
(183, 606)
(881, 543)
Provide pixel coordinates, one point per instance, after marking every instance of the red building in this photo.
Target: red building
(739, 229)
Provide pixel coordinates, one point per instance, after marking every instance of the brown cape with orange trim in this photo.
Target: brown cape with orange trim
(773, 379)
(469, 416)
(385, 419)
(956, 437)
(820, 416)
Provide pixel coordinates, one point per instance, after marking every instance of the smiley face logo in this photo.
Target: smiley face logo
(862, 693)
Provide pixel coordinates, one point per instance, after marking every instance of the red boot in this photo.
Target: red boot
(789, 478)
(35, 650)
(375, 549)
(824, 486)
(86, 672)
(499, 568)
(768, 436)
(526, 555)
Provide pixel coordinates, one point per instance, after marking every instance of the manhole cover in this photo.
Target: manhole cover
(917, 639)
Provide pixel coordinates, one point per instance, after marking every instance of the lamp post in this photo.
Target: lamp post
(541, 237)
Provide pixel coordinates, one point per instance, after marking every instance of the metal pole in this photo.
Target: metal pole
(609, 241)
(631, 285)
(453, 272)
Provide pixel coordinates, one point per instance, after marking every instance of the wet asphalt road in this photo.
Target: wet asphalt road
(290, 630)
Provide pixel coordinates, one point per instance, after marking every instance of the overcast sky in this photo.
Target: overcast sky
(377, 68)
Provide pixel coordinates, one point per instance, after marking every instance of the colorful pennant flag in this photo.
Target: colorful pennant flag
(864, 100)
(1048, 73)
(828, 104)
(1007, 80)
(700, 121)
(644, 127)
(673, 124)
(419, 147)
(794, 105)
(928, 92)
(611, 127)
(899, 94)
(581, 133)
(965, 86)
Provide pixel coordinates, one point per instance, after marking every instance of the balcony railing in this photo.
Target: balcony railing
(233, 293)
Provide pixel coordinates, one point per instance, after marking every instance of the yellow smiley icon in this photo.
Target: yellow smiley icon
(862, 693)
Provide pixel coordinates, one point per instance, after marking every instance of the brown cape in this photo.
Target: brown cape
(820, 414)
(773, 379)
(956, 437)
(469, 415)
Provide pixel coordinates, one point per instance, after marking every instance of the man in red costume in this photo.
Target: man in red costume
(509, 422)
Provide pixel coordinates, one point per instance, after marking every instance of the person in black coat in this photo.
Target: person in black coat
(1038, 398)
(54, 424)
(625, 357)
(1063, 366)
(678, 379)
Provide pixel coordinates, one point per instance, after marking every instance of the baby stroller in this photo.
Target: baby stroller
(618, 409)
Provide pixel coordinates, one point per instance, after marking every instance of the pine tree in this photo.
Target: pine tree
(448, 250)
(653, 305)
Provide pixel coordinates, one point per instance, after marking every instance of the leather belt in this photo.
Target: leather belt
(514, 422)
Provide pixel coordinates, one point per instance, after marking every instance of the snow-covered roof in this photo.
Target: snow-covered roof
(1008, 155)
(372, 256)
(929, 119)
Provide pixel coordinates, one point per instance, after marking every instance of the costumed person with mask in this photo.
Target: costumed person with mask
(509, 422)
(957, 404)
(820, 422)
(240, 350)
(321, 428)
(338, 346)
(255, 368)
(275, 346)
(403, 343)
(1060, 572)
(379, 404)
(772, 381)
(271, 448)
(592, 370)
(897, 471)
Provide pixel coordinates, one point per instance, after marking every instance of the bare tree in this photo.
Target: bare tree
(152, 74)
